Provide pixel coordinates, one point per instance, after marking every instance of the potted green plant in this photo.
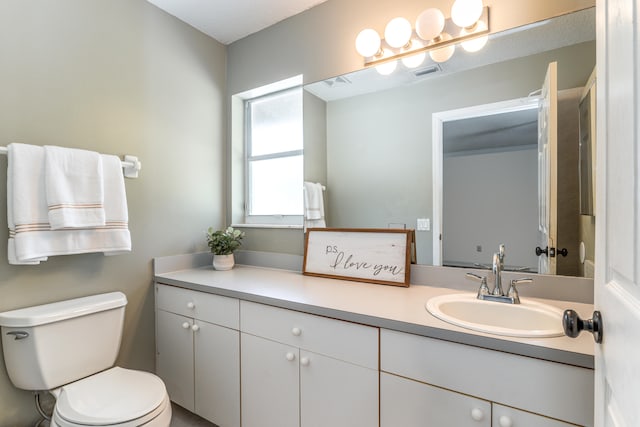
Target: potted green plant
(222, 244)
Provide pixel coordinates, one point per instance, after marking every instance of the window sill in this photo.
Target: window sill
(273, 226)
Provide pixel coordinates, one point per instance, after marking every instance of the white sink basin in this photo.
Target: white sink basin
(529, 319)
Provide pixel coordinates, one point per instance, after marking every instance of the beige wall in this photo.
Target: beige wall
(319, 43)
(118, 77)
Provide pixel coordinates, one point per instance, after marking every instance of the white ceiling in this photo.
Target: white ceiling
(231, 20)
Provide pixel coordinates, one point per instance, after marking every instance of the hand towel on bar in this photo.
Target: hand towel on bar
(32, 239)
(116, 231)
(74, 187)
(26, 200)
(313, 205)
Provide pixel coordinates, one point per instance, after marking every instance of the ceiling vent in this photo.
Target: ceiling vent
(337, 81)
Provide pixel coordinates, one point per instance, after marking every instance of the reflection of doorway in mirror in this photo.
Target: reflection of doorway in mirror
(501, 186)
(489, 185)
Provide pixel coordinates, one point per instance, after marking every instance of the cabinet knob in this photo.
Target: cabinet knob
(505, 421)
(296, 331)
(304, 361)
(290, 357)
(191, 305)
(477, 414)
(195, 328)
(185, 325)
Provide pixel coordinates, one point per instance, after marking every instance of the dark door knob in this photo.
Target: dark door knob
(573, 325)
(540, 251)
(563, 252)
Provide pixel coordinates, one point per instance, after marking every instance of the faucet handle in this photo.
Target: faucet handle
(484, 289)
(513, 291)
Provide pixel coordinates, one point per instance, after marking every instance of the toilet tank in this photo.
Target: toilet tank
(50, 345)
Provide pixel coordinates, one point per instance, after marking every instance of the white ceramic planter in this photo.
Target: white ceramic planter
(223, 262)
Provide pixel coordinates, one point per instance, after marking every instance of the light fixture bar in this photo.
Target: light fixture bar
(418, 45)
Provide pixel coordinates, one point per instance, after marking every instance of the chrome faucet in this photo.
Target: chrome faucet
(497, 274)
(497, 294)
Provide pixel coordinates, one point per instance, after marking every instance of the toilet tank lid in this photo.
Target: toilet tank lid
(61, 310)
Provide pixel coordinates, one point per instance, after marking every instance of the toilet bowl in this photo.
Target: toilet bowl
(115, 397)
(69, 348)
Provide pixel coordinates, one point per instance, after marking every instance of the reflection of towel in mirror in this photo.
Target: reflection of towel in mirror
(313, 205)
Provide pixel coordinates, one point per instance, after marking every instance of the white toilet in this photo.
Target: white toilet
(69, 348)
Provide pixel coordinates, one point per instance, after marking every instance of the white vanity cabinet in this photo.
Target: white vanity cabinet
(304, 370)
(198, 352)
(425, 380)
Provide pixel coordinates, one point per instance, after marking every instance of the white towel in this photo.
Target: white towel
(26, 200)
(313, 205)
(74, 188)
(31, 240)
(115, 207)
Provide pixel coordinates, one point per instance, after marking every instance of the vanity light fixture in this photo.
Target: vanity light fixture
(433, 33)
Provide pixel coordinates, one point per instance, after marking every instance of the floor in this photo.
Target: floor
(183, 418)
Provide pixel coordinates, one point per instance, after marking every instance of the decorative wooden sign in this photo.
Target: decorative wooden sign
(365, 255)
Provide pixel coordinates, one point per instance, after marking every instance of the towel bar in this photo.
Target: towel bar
(130, 165)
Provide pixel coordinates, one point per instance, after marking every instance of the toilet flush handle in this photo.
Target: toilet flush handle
(19, 335)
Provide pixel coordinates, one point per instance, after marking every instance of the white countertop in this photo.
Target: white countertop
(391, 307)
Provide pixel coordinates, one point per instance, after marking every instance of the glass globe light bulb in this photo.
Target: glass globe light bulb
(387, 68)
(368, 42)
(398, 32)
(414, 61)
(465, 13)
(444, 53)
(430, 24)
(474, 45)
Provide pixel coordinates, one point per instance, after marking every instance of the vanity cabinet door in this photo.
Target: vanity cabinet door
(174, 356)
(269, 383)
(408, 403)
(299, 369)
(336, 393)
(504, 416)
(198, 352)
(217, 374)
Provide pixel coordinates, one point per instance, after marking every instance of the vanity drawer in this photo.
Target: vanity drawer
(216, 309)
(508, 379)
(350, 342)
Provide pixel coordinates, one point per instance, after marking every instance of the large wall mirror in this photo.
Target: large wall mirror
(369, 140)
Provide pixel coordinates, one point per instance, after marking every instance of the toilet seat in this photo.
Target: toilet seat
(115, 397)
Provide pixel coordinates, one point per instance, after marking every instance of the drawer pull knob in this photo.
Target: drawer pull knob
(291, 357)
(477, 414)
(195, 328)
(185, 325)
(191, 305)
(296, 331)
(304, 361)
(505, 421)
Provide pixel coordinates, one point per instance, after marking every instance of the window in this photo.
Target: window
(274, 158)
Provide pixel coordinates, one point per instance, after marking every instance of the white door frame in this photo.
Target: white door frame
(438, 121)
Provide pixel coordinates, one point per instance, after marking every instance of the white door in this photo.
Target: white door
(547, 173)
(617, 281)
